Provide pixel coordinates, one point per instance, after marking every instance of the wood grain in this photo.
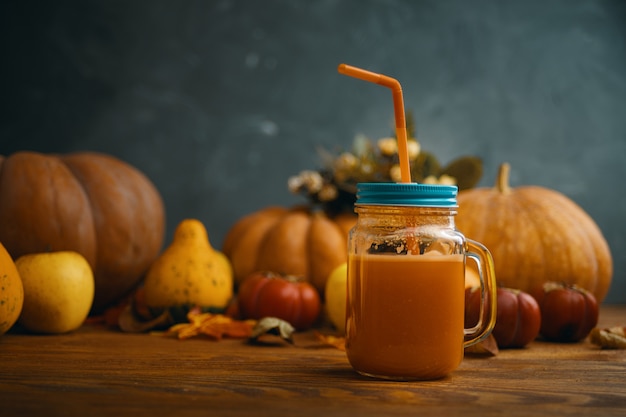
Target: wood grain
(97, 372)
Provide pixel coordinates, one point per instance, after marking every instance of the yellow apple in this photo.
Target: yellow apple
(335, 297)
(58, 291)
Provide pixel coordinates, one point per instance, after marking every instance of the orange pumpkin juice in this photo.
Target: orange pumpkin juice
(405, 315)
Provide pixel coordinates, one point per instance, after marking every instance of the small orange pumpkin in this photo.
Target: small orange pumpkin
(536, 235)
(91, 203)
(289, 241)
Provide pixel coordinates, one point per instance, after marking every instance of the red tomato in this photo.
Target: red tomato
(568, 312)
(264, 294)
(518, 318)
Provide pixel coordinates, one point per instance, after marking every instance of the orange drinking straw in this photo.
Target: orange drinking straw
(398, 107)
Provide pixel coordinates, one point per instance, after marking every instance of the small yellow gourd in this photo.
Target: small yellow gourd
(11, 291)
(190, 272)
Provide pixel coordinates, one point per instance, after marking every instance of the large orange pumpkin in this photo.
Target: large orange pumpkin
(289, 241)
(536, 235)
(88, 202)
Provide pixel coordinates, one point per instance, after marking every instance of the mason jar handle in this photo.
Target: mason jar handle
(479, 254)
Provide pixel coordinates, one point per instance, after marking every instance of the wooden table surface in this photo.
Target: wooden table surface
(96, 371)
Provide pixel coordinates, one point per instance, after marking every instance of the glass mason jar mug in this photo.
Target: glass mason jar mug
(406, 283)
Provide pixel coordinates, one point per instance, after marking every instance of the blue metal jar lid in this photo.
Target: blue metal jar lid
(406, 194)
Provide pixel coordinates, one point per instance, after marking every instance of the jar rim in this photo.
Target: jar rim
(406, 194)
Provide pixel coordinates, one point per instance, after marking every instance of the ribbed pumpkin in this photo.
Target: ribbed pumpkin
(536, 235)
(290, 241)
(87, 202)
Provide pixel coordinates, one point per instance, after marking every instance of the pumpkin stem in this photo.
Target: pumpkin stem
(502, 181)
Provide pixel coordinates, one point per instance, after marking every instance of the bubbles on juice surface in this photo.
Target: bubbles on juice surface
(415, 246)
(396, 247)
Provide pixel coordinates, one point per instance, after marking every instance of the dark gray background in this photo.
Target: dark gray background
(219, 102)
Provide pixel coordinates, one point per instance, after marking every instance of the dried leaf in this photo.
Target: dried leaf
(136, 317)
(338, 342)
(609, 338)
(214, 326)
(487, 347)
(129, 322)
(272, 326)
